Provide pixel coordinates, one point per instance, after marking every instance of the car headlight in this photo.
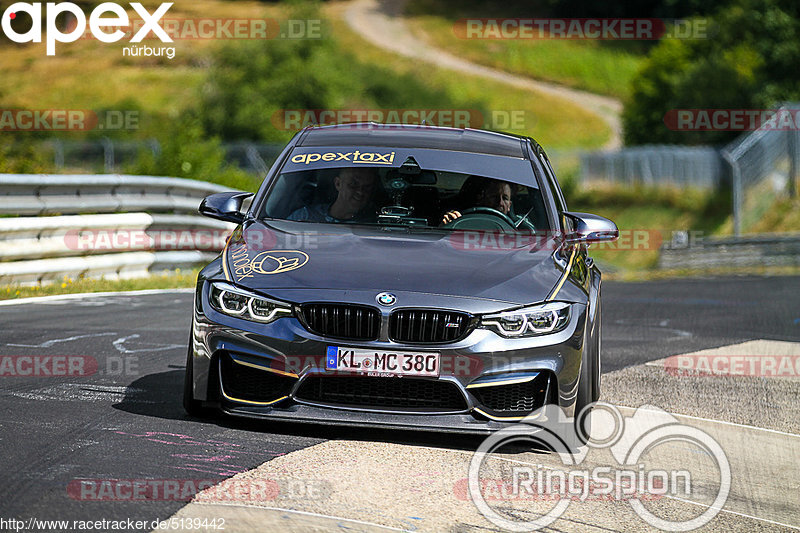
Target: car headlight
(233, 301)
(529, 321)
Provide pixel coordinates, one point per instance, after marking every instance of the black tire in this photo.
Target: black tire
(589, 383)
(596, 364)
(190, 405)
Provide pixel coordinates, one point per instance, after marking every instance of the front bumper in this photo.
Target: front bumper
(461, 423)
(276, 371)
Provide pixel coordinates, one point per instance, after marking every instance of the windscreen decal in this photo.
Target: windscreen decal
(512, 169)
(356, 156)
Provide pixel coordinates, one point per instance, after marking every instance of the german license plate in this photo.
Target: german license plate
(382, 363)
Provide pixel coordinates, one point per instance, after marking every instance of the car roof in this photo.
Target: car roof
(415, 136)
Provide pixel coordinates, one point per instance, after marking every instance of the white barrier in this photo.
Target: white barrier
(26, 194)
(121, 244)
(110, 266)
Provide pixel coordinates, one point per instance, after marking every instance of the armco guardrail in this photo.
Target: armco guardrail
(25, 194)
(103, 225)
(771, 250)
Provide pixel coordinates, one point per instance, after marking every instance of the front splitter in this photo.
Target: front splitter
(307, 414)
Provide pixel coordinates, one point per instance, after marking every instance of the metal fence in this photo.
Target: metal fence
(760, 166)
(764, 164)
(701, 167)
(109, 156)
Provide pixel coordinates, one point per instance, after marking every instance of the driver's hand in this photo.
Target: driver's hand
(450, 216)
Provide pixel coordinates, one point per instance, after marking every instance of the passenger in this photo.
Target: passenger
(355, 187)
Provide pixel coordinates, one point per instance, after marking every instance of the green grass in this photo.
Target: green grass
(90, 75)
(554, 122)
(765, 210)
(646, 218)
(172, 280)
(783, 216)
(595, 66)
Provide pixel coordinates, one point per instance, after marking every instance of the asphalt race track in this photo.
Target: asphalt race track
(125, 421)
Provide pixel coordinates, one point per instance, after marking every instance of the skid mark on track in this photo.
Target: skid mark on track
(87, 298)
(208, 456)
(178, 439)
(83, 392)
(660, 325)
(119, 344)
(52, 342)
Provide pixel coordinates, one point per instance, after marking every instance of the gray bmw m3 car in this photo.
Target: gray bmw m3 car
(397, 276)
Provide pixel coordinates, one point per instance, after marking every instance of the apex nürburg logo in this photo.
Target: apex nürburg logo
(102, 20)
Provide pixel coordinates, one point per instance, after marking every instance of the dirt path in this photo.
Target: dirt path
(381, 23)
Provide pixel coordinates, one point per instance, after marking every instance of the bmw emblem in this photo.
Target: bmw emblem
(386, 298)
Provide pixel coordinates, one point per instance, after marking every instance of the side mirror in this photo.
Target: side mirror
(224, 206)
(591, 228)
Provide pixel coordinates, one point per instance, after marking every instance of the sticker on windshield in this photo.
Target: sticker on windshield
(373, 158)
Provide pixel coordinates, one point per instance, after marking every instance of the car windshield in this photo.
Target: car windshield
(409, 196)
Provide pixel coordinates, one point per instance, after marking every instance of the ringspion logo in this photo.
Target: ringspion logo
(100, 25)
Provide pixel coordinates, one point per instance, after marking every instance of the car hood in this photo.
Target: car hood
(301, 261)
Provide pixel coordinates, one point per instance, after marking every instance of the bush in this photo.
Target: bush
(748, 61)
(22, 156)
(187, 153)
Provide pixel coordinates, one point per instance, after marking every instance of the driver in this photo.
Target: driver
(354, 186)
(493, 193)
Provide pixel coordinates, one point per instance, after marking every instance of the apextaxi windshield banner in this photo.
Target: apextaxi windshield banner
(512, 169)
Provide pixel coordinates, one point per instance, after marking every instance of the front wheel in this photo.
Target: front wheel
(190, 405)
(589, 384)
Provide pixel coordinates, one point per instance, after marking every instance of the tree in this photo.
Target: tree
(251, 84)
(748, 61)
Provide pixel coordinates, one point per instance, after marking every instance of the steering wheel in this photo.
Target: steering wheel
(482, 218)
